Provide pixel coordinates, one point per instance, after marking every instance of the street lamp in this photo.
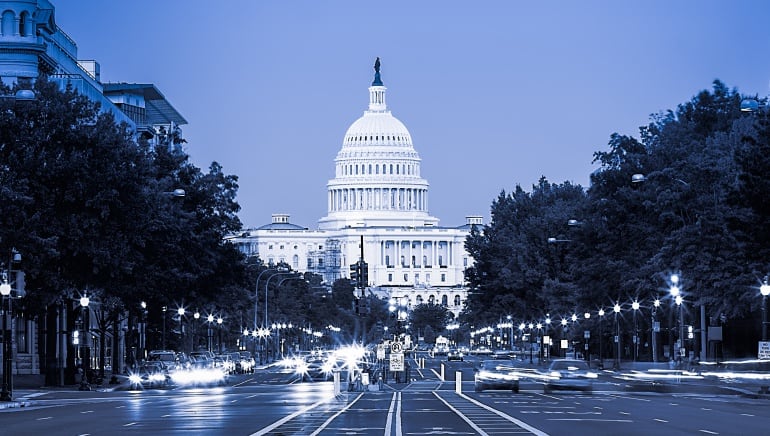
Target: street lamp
(210, 333)
(616, 309)
(676, 293)
(655, 329)
(219, 327)
(86, 344)
(601, 337)
(195, 334)
(587, 337)
(635, 307)
(7, 393)
(181, 312)
(765, 291)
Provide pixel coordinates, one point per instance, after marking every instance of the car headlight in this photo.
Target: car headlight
(555, 374)
(134, 379)
(592, 375)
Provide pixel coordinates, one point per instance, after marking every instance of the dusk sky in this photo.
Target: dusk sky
(494, 93)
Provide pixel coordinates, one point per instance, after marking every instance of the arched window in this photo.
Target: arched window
(370, 168)
(391, 168)
(295, 262)
(419, 300)
(8, 23)
(432, 300)
(457, 300)
(444, 300)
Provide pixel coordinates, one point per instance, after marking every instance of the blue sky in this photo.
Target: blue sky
(495, 93)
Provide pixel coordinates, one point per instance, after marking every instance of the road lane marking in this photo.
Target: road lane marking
(130, 424)
(591, 419)
(463, 417)
(708, 431)
(340, 412)
(520, 423)
(659, 420)
(746, 414)
(44, 418)
(394, 413)
(288, 418)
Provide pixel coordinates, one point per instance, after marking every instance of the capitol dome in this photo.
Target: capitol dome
(377, 172)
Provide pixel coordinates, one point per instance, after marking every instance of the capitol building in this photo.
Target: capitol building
(377, 196)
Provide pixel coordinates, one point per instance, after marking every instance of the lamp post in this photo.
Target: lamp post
(635, 307)
(209, 332)
(601, 337)
(676, 293)
(219, 327)
(163, 310)
(587, 336)
(86, 344)
(765, 291)
(195, 334)
(563, 336)
(616, 309)
(143, 331)
(655, 329)
(7, 392)
(180, 312)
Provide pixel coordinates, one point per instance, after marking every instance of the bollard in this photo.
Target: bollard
(458, 382)
(442, 372)
(336, 376)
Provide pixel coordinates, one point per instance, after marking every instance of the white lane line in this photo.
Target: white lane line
(590, 419)
(463, 417)
(130, 424)
(746, 414)
(283, 420)
(333, 417)
(708, 431)
(44, 418)
(521, 424)
(398, 415)
(391, 409)
(659, 420)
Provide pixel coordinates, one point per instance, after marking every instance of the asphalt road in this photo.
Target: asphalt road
(273, 402)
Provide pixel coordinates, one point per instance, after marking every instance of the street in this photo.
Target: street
(272, 401)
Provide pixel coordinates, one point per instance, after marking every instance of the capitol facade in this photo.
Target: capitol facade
(377, 196)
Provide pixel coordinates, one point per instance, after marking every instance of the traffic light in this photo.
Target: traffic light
(354, 274)
(363, 274)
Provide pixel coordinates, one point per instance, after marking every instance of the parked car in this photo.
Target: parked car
(496, 375)
(501, 354)
(454, 354)
(569, 374)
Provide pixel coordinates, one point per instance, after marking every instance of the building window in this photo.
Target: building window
(443, 277)
(295, 262)
(417, 278)
(457, 300)
(280, 247)
(320, 262)
(431, 300)
(406, 277)
(419, 300)
(425, 260)
(465, 261)
(309, 263)
(440, 260)
(444, 300)
(387, 260)
(390, 277)
(270, 247)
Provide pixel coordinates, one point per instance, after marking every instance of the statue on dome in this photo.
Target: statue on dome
(377, 80)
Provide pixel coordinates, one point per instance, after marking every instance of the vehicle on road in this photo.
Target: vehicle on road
(454, 354)
(149, 375)
(492, 375)
(569, 374)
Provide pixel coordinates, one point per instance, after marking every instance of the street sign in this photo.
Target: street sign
(587, 334)
(764, 350)
(656, 326)
(396, 347)
(380, 351)
(396, 361)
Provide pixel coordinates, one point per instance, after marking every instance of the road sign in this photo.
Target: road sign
(587, 334)
(396, 361)
(380, 351)
(764, 350)
(396, 347)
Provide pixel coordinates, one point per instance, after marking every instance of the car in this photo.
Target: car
(481, 351)
(491, 375)
(501, 354)
(149, 375)
(454, 354)
(569, 374)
